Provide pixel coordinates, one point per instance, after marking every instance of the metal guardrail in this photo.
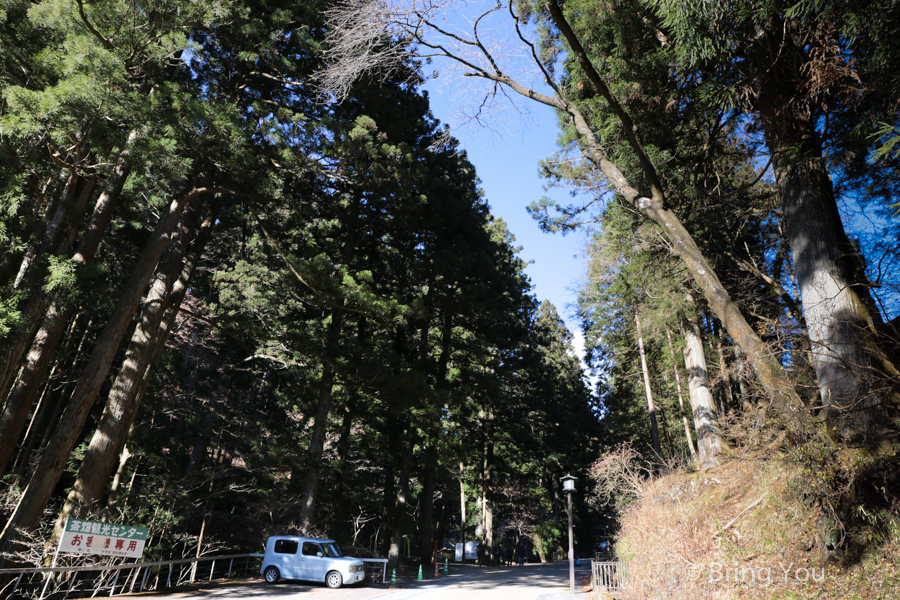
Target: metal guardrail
(374, 565)
(610, 576)
(36, 582)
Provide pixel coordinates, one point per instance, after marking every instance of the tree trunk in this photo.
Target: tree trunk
(665, 428)
(47, 338)
(462, 509)
(441, 531)
(320, 426)
(426, 507)
(488, 483)
(709, 442)
(29, 439)
(554, 496)
(387, 500)
(326, 386)
(772, 376)
(651, 410)
(58, 237)
(539, 547)
(117, 478)
(746, 404)
(123, 400)
(343, 443)
(684, 419)
(724, 371)
(399, 508)
(31, 505)
(198, 452)
(28, 275)
(840, 315)
(66, 391)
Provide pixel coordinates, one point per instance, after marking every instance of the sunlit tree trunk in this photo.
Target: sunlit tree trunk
(651, 409)
(709, 441)
(27, 512)
(772, 376)
(840, 316)
(684, 419)
(117, 478)
(462, 509)
(123, 400)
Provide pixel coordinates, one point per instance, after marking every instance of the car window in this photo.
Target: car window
(286, 546)
(332, 550)
(310, 549)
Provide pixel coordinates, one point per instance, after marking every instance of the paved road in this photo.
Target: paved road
(531, 582)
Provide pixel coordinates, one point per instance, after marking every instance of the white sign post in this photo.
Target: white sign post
(92, 537)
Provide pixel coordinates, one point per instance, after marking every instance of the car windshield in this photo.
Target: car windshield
(331, 550)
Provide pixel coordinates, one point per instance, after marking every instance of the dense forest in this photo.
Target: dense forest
(249, 283)
(232, 308)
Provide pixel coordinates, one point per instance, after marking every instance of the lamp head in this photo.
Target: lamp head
(568, 483)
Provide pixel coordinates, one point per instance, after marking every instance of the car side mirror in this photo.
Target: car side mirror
(319, 554)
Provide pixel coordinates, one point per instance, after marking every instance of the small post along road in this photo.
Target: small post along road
(549, 581)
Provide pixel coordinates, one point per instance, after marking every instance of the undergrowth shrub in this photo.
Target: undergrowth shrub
(778, 519)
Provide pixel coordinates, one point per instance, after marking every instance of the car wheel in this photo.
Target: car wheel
(333, 580)
(271, 575)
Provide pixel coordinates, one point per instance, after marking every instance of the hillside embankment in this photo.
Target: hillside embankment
(760, 527)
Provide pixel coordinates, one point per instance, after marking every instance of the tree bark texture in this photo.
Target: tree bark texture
(117, 478)
(709, 440)
(47, 338)
(66, 391)
(840, 315)
(39, 417)
(28, 511)
(684, 419)
(50, 405)
(122, 403)
(772, 376)
(58, 237)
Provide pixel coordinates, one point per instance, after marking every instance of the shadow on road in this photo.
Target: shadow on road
(515, 583)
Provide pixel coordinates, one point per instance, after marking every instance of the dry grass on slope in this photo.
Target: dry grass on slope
(747, 530)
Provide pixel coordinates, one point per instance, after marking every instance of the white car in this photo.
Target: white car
(309, 559)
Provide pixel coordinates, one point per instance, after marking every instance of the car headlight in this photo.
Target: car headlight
(356, 568)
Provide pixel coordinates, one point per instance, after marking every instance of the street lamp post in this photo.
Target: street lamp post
(569, 486)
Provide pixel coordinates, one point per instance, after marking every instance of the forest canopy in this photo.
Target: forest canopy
(248, 279)
(232, 308)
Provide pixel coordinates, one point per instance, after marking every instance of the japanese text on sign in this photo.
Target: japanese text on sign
(92, 537)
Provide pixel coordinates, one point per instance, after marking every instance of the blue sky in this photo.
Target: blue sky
(506, 154)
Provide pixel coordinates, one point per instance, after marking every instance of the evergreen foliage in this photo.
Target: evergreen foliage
(353, 315)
